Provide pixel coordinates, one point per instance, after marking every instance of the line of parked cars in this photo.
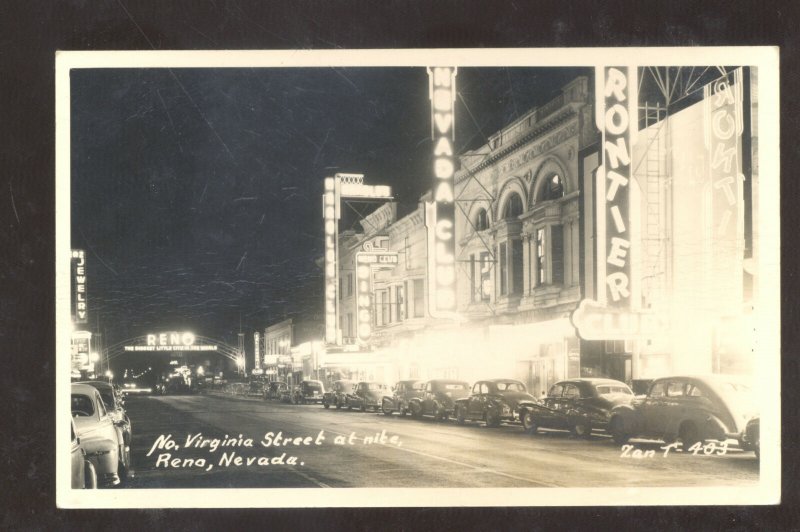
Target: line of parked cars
(689, 409)
(101, 435)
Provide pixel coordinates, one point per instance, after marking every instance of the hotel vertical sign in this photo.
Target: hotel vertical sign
(440, 213)
(330, 214)
(79, 283)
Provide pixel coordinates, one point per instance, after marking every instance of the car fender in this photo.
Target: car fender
(628, 415)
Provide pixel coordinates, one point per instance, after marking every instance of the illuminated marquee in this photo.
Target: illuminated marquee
(440, 214)
(79, 276)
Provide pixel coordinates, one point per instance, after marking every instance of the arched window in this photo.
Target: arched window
(552, 188)
(513, 207)
(481, 220)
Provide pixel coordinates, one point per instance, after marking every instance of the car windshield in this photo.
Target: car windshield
(374, 386)
(82, 405)
(108, 399)
(510, 387)
(611, 389)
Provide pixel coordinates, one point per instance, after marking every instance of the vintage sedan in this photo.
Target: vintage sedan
(308, 392)
(113, 401)
(691, 409)
(84, 475)
(99, 437)
(493, 401)
(273, 390)
(337, 394)
(438, 398)
(402, 393)
(366, 395)
(577, 405)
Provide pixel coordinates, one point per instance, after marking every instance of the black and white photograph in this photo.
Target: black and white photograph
(444, 277)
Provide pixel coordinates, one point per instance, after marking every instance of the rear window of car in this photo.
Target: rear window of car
(314, 385)
(374, 386)
(510, 387)
(612, 389)
(454, 387)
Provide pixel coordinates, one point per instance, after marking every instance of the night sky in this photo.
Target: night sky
(197, 192)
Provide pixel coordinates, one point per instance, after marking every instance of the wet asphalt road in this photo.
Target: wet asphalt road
(405, 452)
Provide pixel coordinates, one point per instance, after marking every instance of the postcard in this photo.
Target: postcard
(444, 277)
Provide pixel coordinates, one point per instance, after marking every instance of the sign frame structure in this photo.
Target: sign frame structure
(440, 213)
(340, 186)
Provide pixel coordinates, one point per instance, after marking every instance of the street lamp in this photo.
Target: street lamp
(110, 375)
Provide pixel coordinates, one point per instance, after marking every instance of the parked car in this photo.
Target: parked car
(752, 436)
(289, 393)
(99, 437)
(309, 392)
(338, 392)
(687, 408)
(577, 405)
(438, 398)
(274, 389)
(84, 474)
(402, 393)
(493, 401)
(365, 395)
(113, 401)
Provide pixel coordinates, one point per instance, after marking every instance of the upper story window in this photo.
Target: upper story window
(513, 207)
(553, 188)
(481, 220)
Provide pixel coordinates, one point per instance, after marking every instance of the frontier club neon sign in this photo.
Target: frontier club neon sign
(615, 313)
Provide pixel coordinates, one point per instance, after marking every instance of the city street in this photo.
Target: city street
(410, 453)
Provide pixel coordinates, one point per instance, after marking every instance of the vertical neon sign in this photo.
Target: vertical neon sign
(440, 214)
(724, 127)
(79, 277)
(257, 349)
(616, 117)
(330, 218)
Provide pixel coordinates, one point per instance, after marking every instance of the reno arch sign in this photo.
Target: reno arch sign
(440, 213)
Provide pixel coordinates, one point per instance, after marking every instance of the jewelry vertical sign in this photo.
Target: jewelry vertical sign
(440, 213)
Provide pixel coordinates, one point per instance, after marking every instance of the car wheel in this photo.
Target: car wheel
(89, 476)
(757, 449)
(492, 418)
(386, 411)
(363, 407)
(326, 405)
(416, 411)
(617, 431)
(529, 422)
(461, 416)
(582, 429)
(688, 435)
(442, 415)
